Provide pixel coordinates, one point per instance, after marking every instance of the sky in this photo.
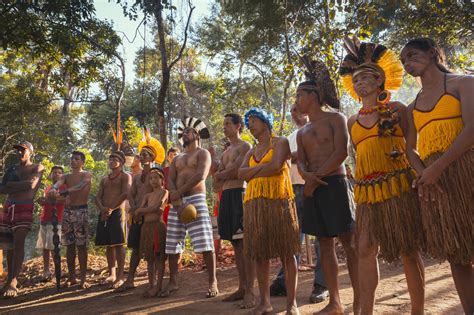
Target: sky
(125, 27)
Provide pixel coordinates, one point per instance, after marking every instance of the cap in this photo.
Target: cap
(24, 145)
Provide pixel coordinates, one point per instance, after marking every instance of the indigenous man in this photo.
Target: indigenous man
(20, 184)
(440, 146)
(136, 167)
(151, 151)
(319, 292)
(45, 234)
(113, 191)
(388, 213)
(172, 153)
(74, 227)
(230, 219)
(270, 220)
(329, 206)
(187, 174)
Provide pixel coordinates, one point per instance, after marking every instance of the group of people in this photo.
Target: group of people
(413, 191)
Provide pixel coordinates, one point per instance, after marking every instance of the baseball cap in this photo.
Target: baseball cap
(25, 145)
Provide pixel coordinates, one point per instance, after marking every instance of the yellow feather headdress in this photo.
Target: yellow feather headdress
(372, 57)
(153, 145)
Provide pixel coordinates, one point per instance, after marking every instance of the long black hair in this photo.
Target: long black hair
(427, 44)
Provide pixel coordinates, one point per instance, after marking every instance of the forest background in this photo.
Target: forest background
(64, 83)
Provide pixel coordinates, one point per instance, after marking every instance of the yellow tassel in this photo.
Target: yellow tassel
(378, 193)
(363, 194)
(395, 186)
(370, 194)
(404, 184)
(356, 193)
(385, 192)
(438, 135)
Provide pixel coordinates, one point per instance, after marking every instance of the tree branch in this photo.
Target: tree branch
(183, 46)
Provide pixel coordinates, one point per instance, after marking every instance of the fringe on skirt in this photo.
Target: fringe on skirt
(270, 228)
(394, 224)
(448, 222)
(152, 239)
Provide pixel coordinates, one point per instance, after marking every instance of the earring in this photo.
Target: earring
(383, 97)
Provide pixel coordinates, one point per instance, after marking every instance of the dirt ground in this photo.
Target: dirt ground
(392, 296)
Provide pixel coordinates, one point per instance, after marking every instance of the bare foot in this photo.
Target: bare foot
(151, 292)
(108, 280)
(47, 276)
(293, 310)
(69, 283)
(213, 291)
(125, 286)
(332, 309)
(249, 301)
(85, 284)
(262, 309)
(236, 296)
(117, 284)
(4, 288)
(170, 288)
(11, 291)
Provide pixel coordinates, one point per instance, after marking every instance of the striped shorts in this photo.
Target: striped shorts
(200, 230)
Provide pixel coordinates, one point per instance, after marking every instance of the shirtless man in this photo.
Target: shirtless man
(113, 191)
(140, 187)
(20, 184)
(74, 227)
(329, 211)
(186, 184)
(230, 220)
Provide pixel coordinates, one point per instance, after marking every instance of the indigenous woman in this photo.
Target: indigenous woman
(270, 222)
(440, 147)
(388, 215)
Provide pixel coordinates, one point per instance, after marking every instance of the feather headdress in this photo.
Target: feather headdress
(196, 124)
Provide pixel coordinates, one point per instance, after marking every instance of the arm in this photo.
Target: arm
(155, 207)
(126, 182)
(281, 153)
(411, 139)
(246, 172)
(132, 193)
(341, 141)
(463, 142)
(204, 164)
(29, 184)
(232, 170)
(84, 184)
(100, 195)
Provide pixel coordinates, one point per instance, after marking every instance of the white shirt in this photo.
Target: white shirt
(295, 176)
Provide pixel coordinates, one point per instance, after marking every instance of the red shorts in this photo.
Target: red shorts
(15, 214)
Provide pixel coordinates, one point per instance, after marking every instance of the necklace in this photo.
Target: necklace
(367, 111)
(114, 176)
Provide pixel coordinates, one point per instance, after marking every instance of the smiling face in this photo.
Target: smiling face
(366, 83)
(415, 61)
(114, 162)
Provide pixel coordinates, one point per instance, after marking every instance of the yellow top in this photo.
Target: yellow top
(378, 176)
(271, 187)
(438, 127)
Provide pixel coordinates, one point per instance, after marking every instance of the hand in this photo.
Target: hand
(138, 211)
(218, 175)
(212, 151)
(174, 195)
(53, 194)
(430, 175)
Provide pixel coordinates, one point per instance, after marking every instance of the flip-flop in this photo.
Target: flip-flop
(10, 296)
(212, 293)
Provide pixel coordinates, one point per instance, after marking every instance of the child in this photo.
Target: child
(153, 232)
(45, 235)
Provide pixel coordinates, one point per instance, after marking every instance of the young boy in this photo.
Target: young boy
(153, 231)
(45, 235)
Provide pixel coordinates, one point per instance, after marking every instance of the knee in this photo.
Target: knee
(366, 250)
(326, 243)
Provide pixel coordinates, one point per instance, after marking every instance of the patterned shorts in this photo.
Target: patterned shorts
(200, 230)
(75, 225)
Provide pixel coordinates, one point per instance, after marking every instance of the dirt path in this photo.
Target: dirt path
(392, 296)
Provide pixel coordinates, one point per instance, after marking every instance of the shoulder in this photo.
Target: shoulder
(245, 145)
(337, 117)
(204, 153)
(460, 83)
(280, 141)
(87, 175)
(126, 176)
(351, 121)
(37, 168)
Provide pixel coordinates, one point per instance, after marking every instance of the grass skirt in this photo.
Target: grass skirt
(448, 223)
(152, 239)
(270, 228)
(394, 224)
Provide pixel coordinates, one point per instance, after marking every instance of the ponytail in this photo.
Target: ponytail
(427, 44)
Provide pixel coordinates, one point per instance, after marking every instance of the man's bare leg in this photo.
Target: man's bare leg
(82, 255)
(172, 286)
(110, 254)
(210, 260)
(263, 278)
(415, 274)
(18, 255)
(369, 267)
(291, 282)
(240, 264)
(348, 241)
(329, 265)
(151, 270)
(71, 264)
(46, 269)
(463, 276)
(134, 261)
(120, 258)
(9, 253)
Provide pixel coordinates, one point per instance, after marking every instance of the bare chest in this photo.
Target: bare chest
(230, 155)
(317, 135)
(186, 161)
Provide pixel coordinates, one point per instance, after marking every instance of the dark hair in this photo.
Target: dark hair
(174, 150)
(426, 44)
(57, 167)
(79, 153)
(236, 120)
(330, 97)
(159, 170)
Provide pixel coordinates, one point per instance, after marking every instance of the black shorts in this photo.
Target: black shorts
(330, 212)
(231, 213)
(112, 231)
(134, 235)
